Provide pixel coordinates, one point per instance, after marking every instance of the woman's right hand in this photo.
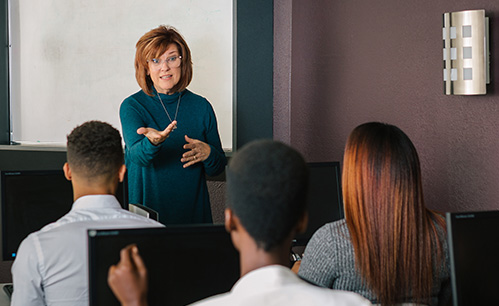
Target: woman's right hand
(156, 137)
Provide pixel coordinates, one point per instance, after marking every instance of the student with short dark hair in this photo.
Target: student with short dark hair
(266, 187)
(51, 264)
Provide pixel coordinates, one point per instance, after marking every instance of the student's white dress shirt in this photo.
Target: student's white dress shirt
(51, 264)
(276, 286)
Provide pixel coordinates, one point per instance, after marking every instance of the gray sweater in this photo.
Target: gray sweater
(329, 261)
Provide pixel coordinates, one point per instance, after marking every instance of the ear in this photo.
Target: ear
(121, 173)
(234, 228)
(301, 226)
(229, 220)
(67, 171)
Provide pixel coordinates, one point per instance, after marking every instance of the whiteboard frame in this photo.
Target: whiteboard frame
(84, 70)
(253, 26)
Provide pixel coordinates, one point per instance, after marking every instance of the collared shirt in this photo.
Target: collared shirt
(277, 285)
(51, 266)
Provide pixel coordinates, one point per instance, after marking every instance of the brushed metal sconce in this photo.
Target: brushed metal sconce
(466, 53)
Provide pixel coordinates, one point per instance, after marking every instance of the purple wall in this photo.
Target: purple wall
(342, 63)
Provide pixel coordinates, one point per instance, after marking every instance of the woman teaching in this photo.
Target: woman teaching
(171, 134)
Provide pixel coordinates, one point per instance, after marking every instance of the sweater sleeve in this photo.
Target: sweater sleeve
(316, 265)
(139, 149)
(216, 161)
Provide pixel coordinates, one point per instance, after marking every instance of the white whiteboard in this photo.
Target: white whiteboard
(72, 60)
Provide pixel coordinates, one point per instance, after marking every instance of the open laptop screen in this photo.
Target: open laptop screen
(474, 254)
(185, 263)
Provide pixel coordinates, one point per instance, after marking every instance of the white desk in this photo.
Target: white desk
(4, 299)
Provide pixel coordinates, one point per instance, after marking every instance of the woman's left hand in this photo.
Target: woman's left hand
(198, 151)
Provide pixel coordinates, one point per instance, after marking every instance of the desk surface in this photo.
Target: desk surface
(4, 299)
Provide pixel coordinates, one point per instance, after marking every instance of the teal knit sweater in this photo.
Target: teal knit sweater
(156, 177)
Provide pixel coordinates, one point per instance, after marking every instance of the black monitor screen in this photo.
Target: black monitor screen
(325, 203)
(185, 264)
(33, 199)
(474, 252)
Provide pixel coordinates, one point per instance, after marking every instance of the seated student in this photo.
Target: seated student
(51, 265)
(390, 248)
(266, 188)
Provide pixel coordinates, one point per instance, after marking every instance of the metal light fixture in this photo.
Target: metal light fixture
(466, 53)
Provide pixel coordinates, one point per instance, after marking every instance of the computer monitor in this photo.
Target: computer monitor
(474, 257)
(185, 263)
(325, 201)
(33, 199)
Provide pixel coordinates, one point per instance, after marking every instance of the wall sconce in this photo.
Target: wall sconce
(466, 53)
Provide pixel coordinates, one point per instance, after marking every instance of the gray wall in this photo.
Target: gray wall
(338, 64)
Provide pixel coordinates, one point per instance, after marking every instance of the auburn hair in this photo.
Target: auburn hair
(394, 235)
(152, 45)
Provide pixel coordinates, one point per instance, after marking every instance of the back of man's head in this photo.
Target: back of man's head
(94, 150)
(267, 184)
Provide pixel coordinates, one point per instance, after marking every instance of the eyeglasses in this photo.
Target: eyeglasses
(171, 62)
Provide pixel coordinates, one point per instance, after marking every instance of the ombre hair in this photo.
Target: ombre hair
(152, 45)
(394, 235)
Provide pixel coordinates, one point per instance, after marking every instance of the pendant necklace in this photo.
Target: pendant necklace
(176, 112)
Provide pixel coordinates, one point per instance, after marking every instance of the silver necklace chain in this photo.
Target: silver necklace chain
(176, 112)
